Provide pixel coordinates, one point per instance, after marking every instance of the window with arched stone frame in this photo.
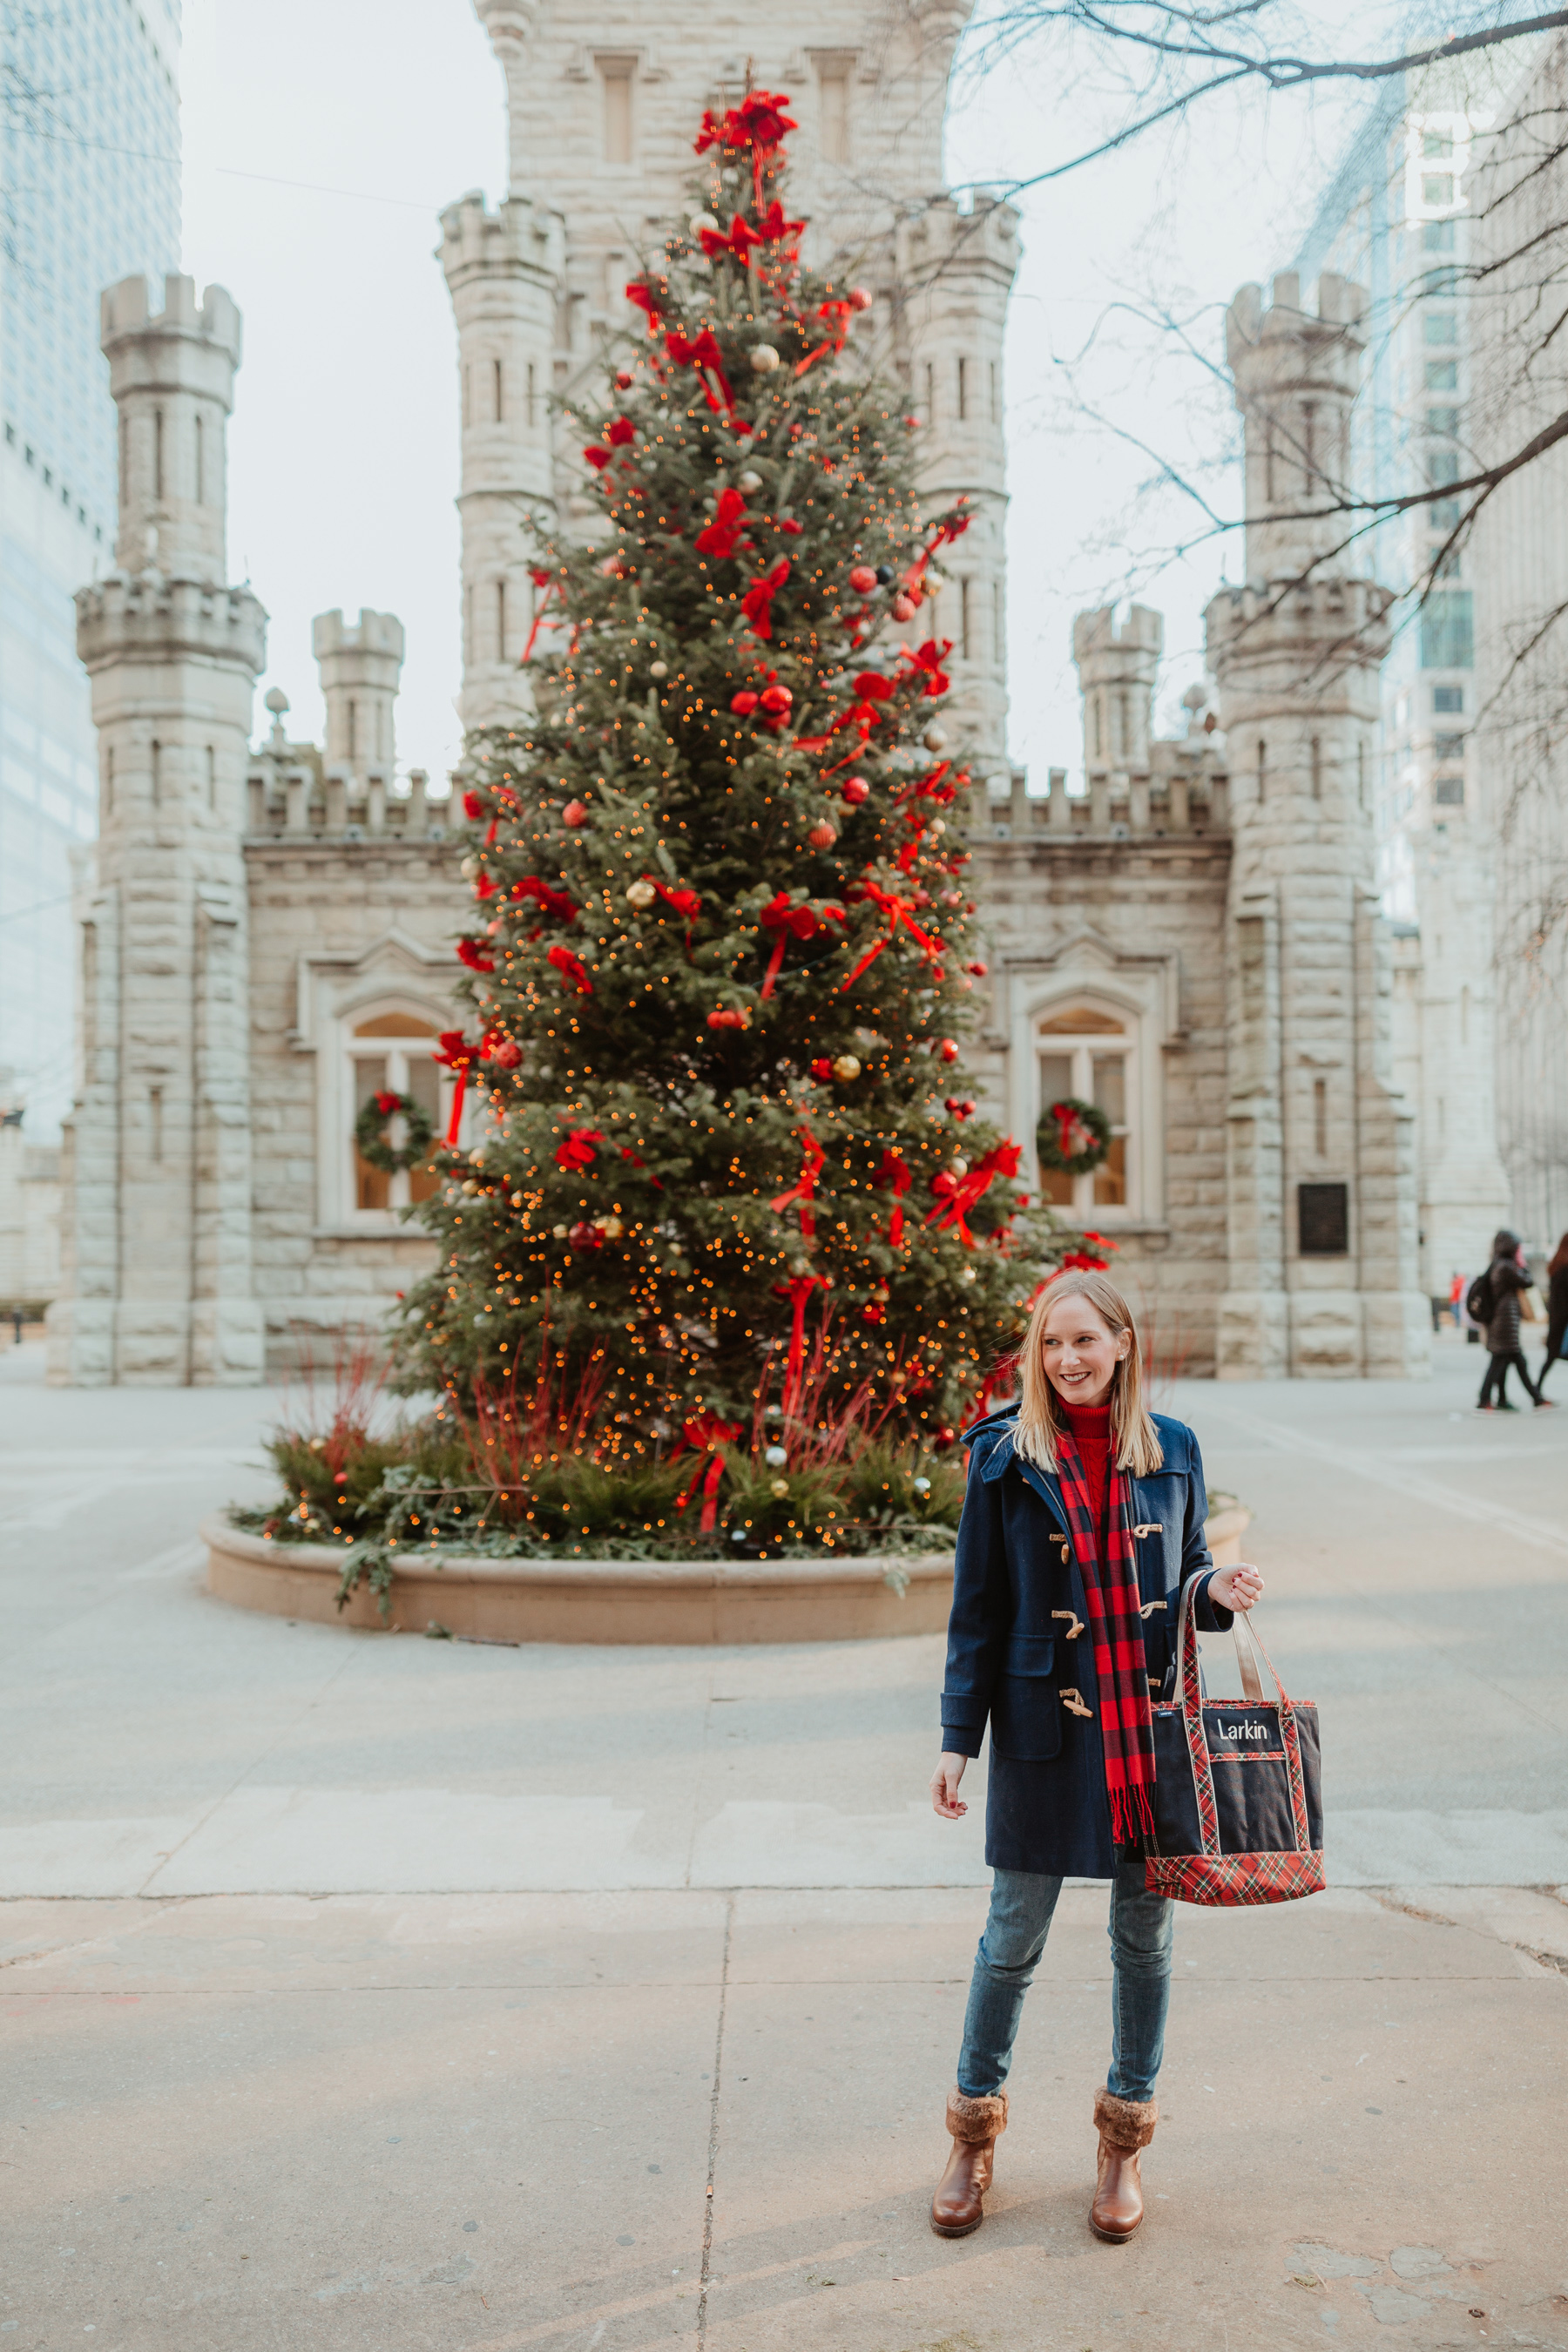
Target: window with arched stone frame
(1088, 1049)
(389, 1049)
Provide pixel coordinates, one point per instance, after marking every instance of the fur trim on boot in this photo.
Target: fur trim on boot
(1125, 2124)
(973, 2120)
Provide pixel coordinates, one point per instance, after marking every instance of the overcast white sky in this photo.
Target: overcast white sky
(321, 142)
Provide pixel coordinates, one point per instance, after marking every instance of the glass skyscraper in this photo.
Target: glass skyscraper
(90, 128)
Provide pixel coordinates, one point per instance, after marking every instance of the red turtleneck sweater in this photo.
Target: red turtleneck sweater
(1091, 1427)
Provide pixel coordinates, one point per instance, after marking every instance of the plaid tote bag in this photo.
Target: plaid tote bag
(1238, 1810)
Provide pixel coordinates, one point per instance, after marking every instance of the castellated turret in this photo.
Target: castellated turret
(503, 271)
(950, 279)
(1320, 1184)
(360, 664)
(156, 1241)
(1117, 668)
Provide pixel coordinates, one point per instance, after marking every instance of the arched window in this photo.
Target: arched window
(390, 1053)
(1088, 1052)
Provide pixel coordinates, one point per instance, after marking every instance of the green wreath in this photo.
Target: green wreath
(369, 1133)
(1061, 1124)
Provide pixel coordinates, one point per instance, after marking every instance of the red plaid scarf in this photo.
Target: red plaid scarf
(1120, 1667)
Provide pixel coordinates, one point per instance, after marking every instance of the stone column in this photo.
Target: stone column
(1116, 669)
(1320, 1141)
(157, 1208)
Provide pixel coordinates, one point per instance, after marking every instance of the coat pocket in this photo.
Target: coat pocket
(1027, 1710)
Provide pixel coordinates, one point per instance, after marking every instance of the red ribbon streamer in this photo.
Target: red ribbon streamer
(958, 1194)
(802, 922)
(702, 353)
(805, 1189)
(900, 913)
(838, 315)
(704, 1434)
(895, 1171)
(757, 604)
(541, 579)
(458, 1056)
(797, 1292)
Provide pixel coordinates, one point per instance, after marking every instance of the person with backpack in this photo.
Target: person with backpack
(1493, 1300)
(1556, 1312)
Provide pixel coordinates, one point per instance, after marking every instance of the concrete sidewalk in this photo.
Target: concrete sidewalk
(628, 2120)
(373, 1992)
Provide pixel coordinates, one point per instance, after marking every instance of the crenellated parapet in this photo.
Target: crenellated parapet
(146, 617)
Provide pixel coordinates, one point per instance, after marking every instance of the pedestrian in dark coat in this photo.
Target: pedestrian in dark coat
(1508, 1276)
(1082, 1523)
(1556, 1311)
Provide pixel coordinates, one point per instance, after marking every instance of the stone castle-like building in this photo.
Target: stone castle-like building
(265, 936)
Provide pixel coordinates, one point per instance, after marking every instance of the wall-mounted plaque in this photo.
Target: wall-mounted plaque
(1323, 1211)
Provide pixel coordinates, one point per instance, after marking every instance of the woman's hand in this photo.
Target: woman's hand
(944, 1783)
(1234, 1588)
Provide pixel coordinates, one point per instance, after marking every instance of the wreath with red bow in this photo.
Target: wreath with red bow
(1073, 1135)
(370, 1132)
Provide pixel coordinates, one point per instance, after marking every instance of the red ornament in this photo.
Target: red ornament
(978, 968)
(862, 297)
(776, 698)
(583, 1236)
(903, 610)
(822, 835)
(855, 789)
(949, 1049)
(744, 703)
(822, 1070)
(727, 1016)
(863, 580)
(507, 1055)
(575, 814)
(625, 378)
(473, 807)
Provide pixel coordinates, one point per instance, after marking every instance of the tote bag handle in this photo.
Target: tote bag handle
(1192, 1705)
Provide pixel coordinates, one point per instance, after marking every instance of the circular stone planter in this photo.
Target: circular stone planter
(643, 1600)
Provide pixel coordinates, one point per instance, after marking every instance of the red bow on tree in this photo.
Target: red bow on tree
(757, 604)
(642, 294)
(577, 1149)
(929, 660)
(458, 1056)
(702, 353)
(759, 120)
(572, 968)
(773, 229)
(705, 1434)
(895, 1170)
(792, 922)
(901, 914)
(551, 900)
(471, 952)
(805, 1189)
(958, 1194)
(739, 242)
(638, 1161)
(727, 527)
(797, 1291)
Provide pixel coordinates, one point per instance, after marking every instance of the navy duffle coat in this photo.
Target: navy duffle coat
(1018, 1637)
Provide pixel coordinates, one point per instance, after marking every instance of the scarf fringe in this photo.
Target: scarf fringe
(1131, 1816)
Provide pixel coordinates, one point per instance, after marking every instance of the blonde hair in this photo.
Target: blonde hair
(1042, 1422)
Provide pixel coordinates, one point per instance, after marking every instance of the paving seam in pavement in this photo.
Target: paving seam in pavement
(706, 2272)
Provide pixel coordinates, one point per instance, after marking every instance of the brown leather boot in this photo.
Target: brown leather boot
(976, 2126)
(1125, 2125)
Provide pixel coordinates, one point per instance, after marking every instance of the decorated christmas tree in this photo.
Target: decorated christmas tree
(722, 959)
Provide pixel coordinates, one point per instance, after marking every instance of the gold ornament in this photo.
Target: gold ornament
(781, 1488)
(659, 669)
(611, 1227)
(958, 1165)
(846, 1067)
(560, 1231)
(640, 895)
(935, 739)
(764, 359)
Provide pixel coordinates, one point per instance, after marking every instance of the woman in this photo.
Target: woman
(1508, 1276)
(1556, 1311)
(1083, 1522)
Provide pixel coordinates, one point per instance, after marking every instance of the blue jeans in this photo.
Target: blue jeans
(1141, 1927)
